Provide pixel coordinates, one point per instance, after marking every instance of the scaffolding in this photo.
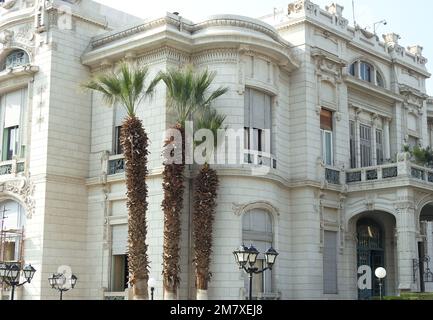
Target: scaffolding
(11, 246)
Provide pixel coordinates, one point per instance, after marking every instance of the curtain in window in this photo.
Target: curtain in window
(13, 103)
(119, 239)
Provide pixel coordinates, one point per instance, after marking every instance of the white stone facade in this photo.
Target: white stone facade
(307, 60)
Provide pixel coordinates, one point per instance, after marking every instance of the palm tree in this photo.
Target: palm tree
(205, 195)
(187, 90)
(126, 86)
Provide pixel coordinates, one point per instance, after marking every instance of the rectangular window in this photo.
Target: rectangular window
(10, 143)
(117, 145)
(13, 106)
(379, 147)
(258, 121)
(330, 285)
(352, 144)
(326, 127)
(365, 142)
(120, 273)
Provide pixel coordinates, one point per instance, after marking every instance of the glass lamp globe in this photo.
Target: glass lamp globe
(380, 273)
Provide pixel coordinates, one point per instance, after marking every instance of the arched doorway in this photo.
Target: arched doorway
(423, 266)
(370, 252)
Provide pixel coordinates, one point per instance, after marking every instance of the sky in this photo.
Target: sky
(412, 20)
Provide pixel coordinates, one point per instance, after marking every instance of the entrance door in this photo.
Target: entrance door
(370, 253)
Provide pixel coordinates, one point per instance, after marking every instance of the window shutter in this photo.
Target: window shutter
(267, 111)
(13, 102)
(247, 109)
(326, 120)
(330, 263)
(120, 115)
(258, 109)
(120, 239)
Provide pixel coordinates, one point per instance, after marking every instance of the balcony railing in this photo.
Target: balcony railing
(332, 176)
(115, 295)
(116, 164)
(260, 159)
(372, 173)
(12, 167)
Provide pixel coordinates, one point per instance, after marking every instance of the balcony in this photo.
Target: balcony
(116, 164)
(376, 173)
(12, 167)
(403, 172)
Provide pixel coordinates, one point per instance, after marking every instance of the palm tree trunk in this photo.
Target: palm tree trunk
(135, 147)
(172, 205)
(205, 194)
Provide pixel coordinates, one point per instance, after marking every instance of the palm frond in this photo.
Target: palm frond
(125, 85)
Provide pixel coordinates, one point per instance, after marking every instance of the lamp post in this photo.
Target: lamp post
(58, 281)
(151, 283)
(380, 274)
(246, 259)
(10, 273)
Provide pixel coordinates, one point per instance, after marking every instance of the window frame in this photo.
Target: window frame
(251, 133)
(12, 61)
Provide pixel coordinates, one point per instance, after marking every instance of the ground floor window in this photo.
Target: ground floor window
(119, 273)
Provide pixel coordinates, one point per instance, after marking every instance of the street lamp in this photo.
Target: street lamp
(58, 281)
(380, 274)
(151, 283)
(11, 273)
(244, 256)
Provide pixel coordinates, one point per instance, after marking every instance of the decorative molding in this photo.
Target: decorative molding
(23, 190)
(303, 5)
(166, 53)
(240, 209)
(220, 55)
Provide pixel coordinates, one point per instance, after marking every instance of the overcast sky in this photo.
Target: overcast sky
(412, 20)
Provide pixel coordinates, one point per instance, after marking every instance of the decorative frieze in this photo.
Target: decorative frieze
(220, 55)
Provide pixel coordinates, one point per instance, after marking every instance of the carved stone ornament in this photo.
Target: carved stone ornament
(21, 189)
(240, 209)
(7, 4)
(301, 5)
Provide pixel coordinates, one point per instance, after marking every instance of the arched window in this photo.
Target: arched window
(12, 222)
(15, 59)
(379, 80)
(257, 230)
(367, 72)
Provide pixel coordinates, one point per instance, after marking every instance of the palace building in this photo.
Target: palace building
(340, 191)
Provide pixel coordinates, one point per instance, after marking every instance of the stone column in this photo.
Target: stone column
(406, 245)
(386, 139)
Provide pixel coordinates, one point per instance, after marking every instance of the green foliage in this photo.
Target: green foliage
(125, 85)
(408, 296)
(189, 90)
(422, 156)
